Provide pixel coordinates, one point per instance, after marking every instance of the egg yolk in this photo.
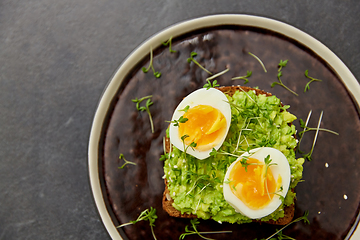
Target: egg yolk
(253, 186)
(205, 126)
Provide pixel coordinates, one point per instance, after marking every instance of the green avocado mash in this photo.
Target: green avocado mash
(257, 121)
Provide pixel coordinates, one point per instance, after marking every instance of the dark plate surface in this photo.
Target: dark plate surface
(331, 190)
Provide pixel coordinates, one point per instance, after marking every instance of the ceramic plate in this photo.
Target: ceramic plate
(331, 190)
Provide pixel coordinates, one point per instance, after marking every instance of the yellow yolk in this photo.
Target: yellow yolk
(205, 126)
(251, 186)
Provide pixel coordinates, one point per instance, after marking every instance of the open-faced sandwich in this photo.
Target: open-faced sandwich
(230, 157)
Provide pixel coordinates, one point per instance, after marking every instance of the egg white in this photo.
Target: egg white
(282, 168)
(212, 97)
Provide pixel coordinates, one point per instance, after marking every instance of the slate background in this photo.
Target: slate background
(56, 58)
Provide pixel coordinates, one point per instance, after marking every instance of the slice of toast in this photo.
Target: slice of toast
(167, 201)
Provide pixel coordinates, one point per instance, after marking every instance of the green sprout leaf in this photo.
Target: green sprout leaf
(145, 108)
(177, 122)
(126, 161)
(209, 85)
(244, 163)
(213, 152)
(168, 43)
(307, 129)
(248, 74)
(268, 163)
(191, 59)
(194, 223)
(304, 218)
(164, 157)
(145, 70)
(307, 86)
(192, 145)
(185, 109)
(146, 215)
(281, 65)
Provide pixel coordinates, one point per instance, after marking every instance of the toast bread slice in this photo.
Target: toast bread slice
(167, 201)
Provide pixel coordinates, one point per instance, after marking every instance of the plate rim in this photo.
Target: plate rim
(335, 63)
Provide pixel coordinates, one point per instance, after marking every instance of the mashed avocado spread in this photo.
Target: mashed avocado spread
(257, 121)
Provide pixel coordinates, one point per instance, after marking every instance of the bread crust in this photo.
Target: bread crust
(167, 201)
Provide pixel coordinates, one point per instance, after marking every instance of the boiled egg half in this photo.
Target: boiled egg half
(207, 115)
(253, 184)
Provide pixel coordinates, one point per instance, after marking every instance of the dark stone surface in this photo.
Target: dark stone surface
(56, 57)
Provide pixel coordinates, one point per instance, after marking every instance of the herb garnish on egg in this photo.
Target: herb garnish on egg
(258, 182)
(207, 122)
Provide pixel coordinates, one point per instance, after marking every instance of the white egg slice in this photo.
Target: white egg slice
(209, 118)
(242, 194)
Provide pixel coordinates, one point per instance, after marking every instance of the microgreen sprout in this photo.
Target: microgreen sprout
(221, 152)
(191, 59)
(245, 164)
(285, 107)
(146, 215)
(268, 163)
(194, 223)
(163, 157)
(218, 74)
(168, 43)
(283, 236)
(209, 85)
(237, 107)
(166, 155)
(308, 155)
(281, 65)
(228, 181)
(177, 122)
(307, 86)
(126, 161)
(250, 97)
(258, 59)
(145, 70)
(278, 194)
(248, 74)
(192, 145)
(306, 129)
(245, 150)
(146, 108)
(213, 152)
(304, 126)
(197, 182)
(185, 108)
(304, 217)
